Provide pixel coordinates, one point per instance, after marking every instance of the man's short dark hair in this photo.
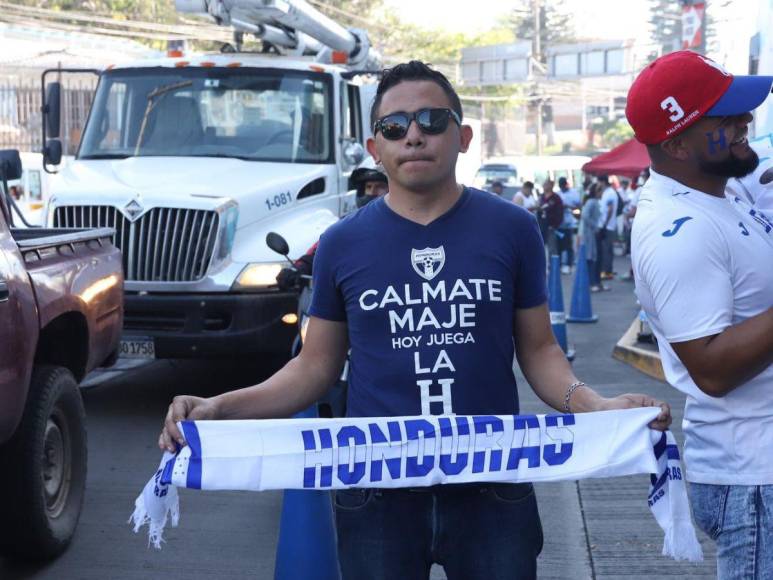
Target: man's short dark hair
(414, 70)
(561, 181)
(604, 179)
(529, 184)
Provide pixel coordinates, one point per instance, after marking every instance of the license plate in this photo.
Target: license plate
(137, 348)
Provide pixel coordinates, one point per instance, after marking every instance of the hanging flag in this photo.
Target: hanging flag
(692, 25)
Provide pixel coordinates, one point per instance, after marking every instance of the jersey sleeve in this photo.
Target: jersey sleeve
(326, 300)
(688, 271)
(529, 285)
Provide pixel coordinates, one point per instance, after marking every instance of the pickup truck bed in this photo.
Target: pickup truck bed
(61, 314)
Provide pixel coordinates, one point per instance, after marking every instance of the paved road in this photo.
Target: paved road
(593, 529)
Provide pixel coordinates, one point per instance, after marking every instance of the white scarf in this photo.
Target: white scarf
(422, 451)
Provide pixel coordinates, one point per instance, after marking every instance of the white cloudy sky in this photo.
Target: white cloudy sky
(598, 18)
(602, 19)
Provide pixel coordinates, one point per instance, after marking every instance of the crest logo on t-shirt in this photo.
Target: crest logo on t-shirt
(428, 262)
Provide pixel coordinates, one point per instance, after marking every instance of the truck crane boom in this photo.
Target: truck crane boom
(291, 26)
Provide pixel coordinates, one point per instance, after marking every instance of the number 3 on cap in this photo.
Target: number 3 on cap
(669, 104)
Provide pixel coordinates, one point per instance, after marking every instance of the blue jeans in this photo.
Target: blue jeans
(486, 531)
(594, 276)
(740, 519)
(605, 250)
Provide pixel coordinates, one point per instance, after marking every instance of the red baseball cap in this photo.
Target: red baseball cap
(679, 88)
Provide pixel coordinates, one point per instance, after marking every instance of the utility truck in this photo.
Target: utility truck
(193, 159)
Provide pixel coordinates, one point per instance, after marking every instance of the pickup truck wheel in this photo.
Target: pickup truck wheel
(44, 469)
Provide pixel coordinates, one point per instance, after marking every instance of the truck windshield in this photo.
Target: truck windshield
(257, 115)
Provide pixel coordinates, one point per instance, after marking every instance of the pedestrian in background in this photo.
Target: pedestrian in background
(607, 229)
(526, 198)
(497, 188)
(552, 215)
(571, 200)
(589, 227)
(702, 262)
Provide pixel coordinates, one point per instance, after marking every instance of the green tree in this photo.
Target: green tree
(665, 25)
(617, 133)
(145, 10)
(556, 25)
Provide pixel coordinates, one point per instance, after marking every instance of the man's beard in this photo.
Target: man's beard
(731, 167)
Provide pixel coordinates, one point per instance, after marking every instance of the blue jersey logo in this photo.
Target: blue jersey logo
(677, 226)
(744, 231)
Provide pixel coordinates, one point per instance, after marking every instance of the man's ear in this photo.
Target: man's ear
(465, 138)
(675, 148)
(370, 145)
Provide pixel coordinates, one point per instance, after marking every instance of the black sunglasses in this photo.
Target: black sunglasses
(429, 121)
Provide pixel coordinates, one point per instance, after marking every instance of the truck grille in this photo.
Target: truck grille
(163, 245)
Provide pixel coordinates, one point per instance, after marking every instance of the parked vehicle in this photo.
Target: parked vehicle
(504, 173)
(194, 159)
(33, 188)
(537, 169)
(61, 312)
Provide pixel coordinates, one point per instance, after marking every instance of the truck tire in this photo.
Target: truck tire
(43, 469)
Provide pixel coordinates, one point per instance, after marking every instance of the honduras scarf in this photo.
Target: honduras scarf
(423, 451)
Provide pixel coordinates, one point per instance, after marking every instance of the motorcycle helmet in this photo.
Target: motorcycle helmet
(367, 173)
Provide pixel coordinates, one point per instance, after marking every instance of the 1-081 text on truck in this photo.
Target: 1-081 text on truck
(194, 159)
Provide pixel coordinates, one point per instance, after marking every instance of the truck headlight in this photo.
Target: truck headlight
(258, 276)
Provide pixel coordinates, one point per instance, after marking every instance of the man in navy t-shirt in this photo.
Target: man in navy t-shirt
(434, 287)
(429, 307)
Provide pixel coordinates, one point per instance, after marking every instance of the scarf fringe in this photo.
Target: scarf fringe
(140, 517)
(681, 543)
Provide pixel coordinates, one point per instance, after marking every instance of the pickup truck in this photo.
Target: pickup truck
(61, 313)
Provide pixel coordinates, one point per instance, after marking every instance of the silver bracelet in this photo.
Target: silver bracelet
(572, 388)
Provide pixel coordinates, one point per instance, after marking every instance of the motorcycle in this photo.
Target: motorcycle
(333, 404)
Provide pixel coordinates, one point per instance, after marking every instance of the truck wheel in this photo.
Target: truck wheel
(43, 469)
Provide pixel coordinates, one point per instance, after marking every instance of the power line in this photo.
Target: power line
(174, 31)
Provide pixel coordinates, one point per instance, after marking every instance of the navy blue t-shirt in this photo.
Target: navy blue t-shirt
(430, 308)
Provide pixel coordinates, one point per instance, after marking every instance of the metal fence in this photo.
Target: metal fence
(20, 110)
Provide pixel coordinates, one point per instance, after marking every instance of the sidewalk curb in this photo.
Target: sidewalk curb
(642, 360)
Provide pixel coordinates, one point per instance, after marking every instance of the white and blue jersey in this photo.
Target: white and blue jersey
(429, 308)
(702, 263)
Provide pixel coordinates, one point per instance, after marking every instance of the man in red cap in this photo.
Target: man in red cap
(703, 263)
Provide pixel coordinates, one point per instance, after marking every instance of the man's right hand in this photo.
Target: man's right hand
(184, 407)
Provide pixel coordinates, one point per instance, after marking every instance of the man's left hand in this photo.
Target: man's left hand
(633, 401)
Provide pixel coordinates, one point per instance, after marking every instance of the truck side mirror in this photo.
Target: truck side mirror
(52, 108)
(10, 164)
(52, 152)
(354, 153)
(277, 243)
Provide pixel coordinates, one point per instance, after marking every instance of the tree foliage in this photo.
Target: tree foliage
(396, 39)
(666, 24)
(556, 24)
(161, 11)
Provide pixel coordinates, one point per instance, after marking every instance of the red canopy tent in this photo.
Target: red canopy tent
(628, 159)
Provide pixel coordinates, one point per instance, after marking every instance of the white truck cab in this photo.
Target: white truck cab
(193, 160)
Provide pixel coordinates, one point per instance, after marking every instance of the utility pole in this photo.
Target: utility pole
(537, 56)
